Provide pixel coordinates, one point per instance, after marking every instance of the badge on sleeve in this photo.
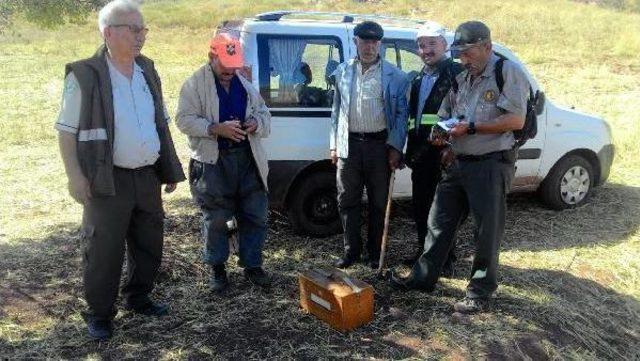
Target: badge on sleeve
(489, 96)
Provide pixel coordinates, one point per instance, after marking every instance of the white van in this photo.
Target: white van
(292, 54)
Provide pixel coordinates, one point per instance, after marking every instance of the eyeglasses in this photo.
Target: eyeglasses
(134, 29)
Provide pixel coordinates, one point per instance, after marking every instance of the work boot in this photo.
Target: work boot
(471, 305)
(257, 276)
(406, 283)
(99, 330)
(218, 281)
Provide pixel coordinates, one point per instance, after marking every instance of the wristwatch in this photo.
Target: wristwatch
(472, 128)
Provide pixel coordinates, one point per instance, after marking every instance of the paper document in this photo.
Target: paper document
(448, 124)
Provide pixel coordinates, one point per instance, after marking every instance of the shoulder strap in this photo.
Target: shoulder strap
(499, 76)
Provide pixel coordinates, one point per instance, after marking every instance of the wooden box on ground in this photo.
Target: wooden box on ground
(332, 296)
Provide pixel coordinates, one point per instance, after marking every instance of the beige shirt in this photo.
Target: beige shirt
(136, 143)
(480, 101)
(366, 108)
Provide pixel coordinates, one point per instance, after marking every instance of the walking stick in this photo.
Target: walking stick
(385, 232)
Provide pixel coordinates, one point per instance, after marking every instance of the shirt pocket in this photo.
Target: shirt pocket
(487, 108)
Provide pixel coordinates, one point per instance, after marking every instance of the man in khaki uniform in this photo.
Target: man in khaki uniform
(484, 165)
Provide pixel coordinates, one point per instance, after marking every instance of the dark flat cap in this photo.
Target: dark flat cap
(368, 30)
(470, 33)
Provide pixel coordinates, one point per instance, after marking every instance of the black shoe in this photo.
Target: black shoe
(218, 281)
(406, 283)
(346, 261)
(150, 309)
(471, 305)
(100, 330)
(257, 276)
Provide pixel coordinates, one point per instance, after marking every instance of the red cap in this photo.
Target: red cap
(228, 50)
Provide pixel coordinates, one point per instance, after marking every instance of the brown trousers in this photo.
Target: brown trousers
(133, 216)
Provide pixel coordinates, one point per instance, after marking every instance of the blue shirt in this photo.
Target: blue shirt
(233, 105)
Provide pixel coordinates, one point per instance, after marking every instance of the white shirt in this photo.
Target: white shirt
(366, 113)
(136, 143)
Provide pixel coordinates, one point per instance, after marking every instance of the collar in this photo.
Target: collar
(437, 68)
(375, 65)
(489, 69)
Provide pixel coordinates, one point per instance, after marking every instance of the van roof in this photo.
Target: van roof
(334, 17)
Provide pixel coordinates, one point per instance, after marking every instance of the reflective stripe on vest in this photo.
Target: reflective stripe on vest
(426, 119)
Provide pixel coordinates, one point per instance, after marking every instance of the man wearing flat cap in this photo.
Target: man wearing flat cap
(480, 177)
(225, 119)
(368, 130)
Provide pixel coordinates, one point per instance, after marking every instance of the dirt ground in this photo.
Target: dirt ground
(562, 311)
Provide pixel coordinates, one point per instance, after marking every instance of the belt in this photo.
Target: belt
(381, 135)
(499, 155)
(146, 167)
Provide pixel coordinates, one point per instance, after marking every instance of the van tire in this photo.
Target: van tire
(313, 207)
(569, 184)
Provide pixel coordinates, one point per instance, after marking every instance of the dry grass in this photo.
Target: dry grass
(569, 280)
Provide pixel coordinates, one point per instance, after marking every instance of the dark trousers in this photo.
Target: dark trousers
(481, 186)
(366, 166)
(135, 216)
(425, 177)
(231, 188)
(424, 180)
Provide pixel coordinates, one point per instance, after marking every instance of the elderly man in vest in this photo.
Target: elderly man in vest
(225, 118)
(117, 151)
(368, 131)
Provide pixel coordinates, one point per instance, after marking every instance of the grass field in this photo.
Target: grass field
(569, 280)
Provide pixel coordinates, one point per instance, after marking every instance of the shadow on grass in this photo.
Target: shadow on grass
(539, 314)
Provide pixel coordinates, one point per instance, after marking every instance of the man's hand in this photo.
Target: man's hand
(170, 187)
(79, 189)
(460, 129)
(231, 129)
(251, 125)
(334, 156)
(394, 158)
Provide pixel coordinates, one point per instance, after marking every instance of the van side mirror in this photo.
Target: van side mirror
(540, 102)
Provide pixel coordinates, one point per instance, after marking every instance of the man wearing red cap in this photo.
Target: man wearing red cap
(225, 118)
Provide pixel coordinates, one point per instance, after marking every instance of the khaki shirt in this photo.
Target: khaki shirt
(366, 110)
(480, 101)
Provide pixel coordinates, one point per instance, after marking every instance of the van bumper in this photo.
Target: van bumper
(605, 157)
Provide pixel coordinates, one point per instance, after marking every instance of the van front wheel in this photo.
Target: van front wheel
(313, 206)
(569, 184)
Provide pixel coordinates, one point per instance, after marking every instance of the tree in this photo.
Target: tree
(47, 13)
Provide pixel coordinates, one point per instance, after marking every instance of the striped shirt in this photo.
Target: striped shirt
(366, 109)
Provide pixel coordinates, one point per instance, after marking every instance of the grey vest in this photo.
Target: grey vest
(96, 112)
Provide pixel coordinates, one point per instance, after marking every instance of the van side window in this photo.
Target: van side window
(405, 55)
(295, 70)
